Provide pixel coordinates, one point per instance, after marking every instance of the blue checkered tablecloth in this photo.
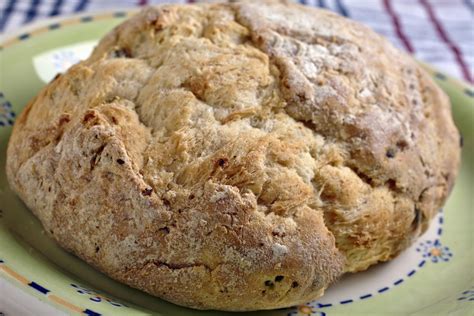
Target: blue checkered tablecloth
(439, 32)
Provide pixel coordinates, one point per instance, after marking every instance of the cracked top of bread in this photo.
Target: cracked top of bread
(236, 156)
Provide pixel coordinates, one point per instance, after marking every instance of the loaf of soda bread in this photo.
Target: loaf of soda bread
(236, 156)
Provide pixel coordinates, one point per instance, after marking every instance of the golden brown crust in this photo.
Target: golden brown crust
(236, 156)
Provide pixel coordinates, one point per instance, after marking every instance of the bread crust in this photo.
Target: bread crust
(236, 156)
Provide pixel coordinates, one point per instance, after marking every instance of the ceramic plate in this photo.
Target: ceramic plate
(434, 276)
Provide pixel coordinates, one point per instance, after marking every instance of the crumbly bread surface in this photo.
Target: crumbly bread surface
(236, 156)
